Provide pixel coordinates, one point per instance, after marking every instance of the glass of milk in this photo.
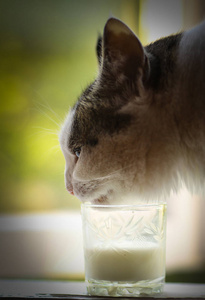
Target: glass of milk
(124, 249)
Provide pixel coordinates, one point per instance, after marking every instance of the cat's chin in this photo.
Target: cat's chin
(116, 196)
(103, 199)
(120, 199)
(111, 198)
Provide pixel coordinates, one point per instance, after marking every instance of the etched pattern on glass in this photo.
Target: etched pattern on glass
(116, 228)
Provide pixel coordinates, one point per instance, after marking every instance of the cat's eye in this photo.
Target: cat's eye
(77, 152)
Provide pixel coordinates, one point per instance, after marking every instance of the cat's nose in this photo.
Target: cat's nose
(70, 190)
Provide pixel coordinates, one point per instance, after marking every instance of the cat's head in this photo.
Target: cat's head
(106, 136)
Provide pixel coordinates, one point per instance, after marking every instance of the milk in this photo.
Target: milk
(143, 261)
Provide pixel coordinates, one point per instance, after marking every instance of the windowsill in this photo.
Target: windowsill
(77, 290)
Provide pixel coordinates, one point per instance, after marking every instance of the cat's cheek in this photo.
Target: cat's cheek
(85, 167)
(80, 173)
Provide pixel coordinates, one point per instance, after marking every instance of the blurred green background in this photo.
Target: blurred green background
(47, 56)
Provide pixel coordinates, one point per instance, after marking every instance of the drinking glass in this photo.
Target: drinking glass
(124, 249)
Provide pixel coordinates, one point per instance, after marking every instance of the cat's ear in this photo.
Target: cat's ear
(122, 51)
(99, 49)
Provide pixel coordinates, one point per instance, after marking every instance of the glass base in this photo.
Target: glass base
(121, 288)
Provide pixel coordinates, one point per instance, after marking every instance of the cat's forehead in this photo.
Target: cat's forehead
(85, 121)
(94, 114)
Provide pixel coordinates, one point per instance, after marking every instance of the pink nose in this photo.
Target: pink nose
(70, 190)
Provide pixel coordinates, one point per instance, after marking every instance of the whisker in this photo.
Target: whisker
(109, 176)
(44, 107)
(46, 130)
(115, 172)
(51, 119)
(51, 149)
(51, 110)
(56, 148)
(44, 103)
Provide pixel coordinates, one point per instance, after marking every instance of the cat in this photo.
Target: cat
(137, 133)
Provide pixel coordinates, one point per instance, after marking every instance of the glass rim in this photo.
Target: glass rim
(134, 206)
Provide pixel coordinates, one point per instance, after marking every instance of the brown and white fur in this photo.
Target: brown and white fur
(138, 131)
